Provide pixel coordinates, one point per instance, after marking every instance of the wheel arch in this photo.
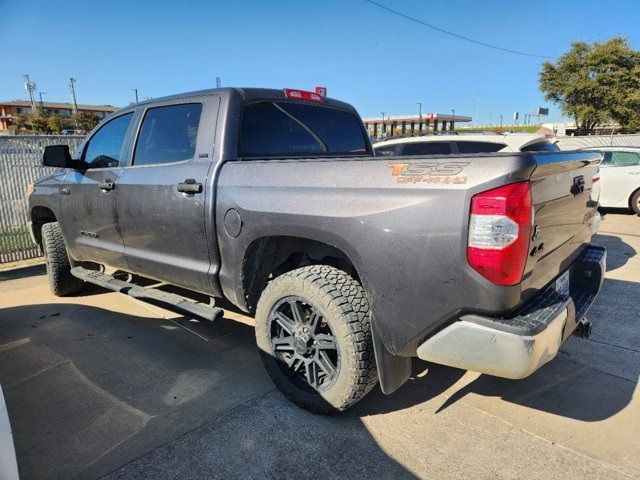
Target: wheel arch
(39, 216)
(270, 256)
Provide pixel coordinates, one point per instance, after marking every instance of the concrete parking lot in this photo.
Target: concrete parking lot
(101, 385)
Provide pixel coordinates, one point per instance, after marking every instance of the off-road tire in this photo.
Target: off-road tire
(345, 308)
(61, 282)
(635, 202)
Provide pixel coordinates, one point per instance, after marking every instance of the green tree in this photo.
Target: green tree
(595, 83)
(84, 120)
(56, 122)
(38, 123)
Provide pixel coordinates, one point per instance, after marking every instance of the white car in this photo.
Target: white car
(619, 177)
(8, 465)
(466, 143)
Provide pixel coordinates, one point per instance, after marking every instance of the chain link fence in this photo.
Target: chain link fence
(20, 165)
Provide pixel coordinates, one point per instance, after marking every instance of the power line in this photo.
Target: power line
(462, 37)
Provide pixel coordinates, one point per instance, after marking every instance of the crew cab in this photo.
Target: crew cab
(350, 263)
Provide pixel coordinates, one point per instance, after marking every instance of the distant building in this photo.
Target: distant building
(10, 109)
(412, 124)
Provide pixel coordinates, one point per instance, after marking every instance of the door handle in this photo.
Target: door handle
(190, 186)
(107, 185)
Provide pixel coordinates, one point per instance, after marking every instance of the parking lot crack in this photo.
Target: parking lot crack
(613, 345)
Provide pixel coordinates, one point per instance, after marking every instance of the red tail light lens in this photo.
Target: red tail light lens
(302, 95)
(499, 232)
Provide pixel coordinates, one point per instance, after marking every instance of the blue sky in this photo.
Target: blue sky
(363, 55)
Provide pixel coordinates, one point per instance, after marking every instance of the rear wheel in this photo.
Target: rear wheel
(314, 334)
(635, 202)
(61, 282)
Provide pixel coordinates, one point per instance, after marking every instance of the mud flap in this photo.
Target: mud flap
(393, 370)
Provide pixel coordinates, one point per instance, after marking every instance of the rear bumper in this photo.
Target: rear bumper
(518, 346)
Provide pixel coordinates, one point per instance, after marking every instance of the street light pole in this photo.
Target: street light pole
(500, 122)
(384, 130)
(453, 118)
(41, 103)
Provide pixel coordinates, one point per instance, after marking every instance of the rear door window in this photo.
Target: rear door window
(168, 134)
(286, 129)
(620, 159)
(479, 147)
(426, 148)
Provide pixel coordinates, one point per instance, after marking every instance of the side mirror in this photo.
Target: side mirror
(58, 156)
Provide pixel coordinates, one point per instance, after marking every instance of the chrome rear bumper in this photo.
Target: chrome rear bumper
(518, 346)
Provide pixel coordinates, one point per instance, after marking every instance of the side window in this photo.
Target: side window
(385, 151)
(620, 159)
(105, 147)
(427, 148)
(479, 147)
(168, 134)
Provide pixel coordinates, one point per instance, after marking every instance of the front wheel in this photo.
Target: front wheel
(61, 282)
(314, 334)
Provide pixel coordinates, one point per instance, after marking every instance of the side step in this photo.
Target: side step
(163, 299)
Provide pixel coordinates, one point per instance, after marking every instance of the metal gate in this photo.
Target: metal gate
(20, 165)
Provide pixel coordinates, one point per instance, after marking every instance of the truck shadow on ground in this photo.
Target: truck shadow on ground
(618, 251)
(89, 390)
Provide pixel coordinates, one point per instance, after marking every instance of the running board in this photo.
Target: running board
(170, 301)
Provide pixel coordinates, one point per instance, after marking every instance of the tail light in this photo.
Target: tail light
(302, 95)
(499, 232)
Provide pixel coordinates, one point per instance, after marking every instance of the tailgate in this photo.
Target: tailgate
(561, 191)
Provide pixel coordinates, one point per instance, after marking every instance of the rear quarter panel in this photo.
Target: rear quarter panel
(402, 221)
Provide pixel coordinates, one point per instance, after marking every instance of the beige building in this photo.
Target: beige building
(10, 109)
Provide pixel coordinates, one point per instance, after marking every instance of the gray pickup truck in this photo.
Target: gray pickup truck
(351, 264)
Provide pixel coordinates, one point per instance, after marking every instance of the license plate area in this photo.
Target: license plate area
(562, 284)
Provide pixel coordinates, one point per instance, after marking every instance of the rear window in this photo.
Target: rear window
(541, 147)
(479, 147)
(285, 129)
(427, 148)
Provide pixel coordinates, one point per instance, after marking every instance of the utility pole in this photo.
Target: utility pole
(500, 122)
(384, 130)
(31, 87)
(135, 90)
(41, 102)
(72, 87)
(453, 119)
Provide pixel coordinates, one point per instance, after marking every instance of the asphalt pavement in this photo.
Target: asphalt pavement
(102, 385)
